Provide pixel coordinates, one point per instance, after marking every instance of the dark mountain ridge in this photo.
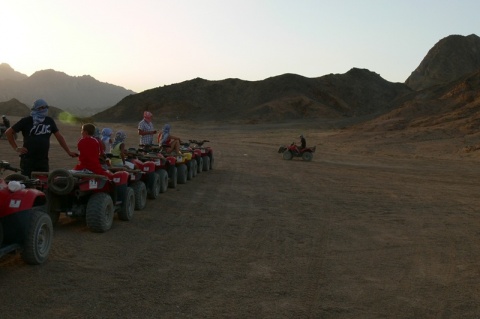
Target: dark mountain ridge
(81, 96)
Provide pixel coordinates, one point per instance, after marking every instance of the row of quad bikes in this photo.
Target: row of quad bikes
(29, 207)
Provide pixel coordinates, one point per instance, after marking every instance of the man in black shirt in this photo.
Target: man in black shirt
(36, 130)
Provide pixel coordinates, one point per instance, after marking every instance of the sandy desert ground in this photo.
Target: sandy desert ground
(378, 225)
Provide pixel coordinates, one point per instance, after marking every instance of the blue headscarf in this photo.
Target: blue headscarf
(120, 137)
(107, 132)
(165, 133)
(39, 111)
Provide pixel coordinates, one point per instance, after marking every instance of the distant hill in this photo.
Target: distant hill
(81, 96)
(16, 108)
(358, 92)
(449, 59)
(452, 109)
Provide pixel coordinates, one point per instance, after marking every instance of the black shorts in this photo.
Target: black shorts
(29, 165)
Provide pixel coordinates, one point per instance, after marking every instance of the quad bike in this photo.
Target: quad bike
(4, 126)
(193, 163)
(24, 225)
(206, 153)
(181, 162)
(92, 197)
(136, 179)
(163, 163)
(289, 152)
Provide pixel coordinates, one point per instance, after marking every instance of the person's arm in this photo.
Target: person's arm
(63, 144)
(122, 152)
(10, 134)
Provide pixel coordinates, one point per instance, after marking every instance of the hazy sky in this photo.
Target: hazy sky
(143, 44)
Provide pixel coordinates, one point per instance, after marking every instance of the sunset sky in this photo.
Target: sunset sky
(144, 44)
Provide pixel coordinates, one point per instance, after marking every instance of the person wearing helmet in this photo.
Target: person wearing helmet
(36, 130)
(145, 129)
(303, 142)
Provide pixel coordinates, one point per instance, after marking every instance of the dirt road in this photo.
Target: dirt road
(365, 230)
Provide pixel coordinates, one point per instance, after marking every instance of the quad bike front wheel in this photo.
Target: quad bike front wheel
(140, 191)
(206, 163)
(287, 155)
(99, 213)
(182, 172)
(154, 185)
(307, 156)
(128, 205)
(163, 177)
(38, 238)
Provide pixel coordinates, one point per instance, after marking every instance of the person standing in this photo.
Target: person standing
(36, 130)
(145, 129)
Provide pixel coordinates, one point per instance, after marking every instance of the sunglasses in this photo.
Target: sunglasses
(42, 108)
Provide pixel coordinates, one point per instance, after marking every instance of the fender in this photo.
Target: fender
(120, 177)
(21, 200)
(148, 166)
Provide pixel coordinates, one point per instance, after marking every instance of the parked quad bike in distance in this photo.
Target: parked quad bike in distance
(206, 154)
(136, 178)
(289, 152)
(92, 197)
(163, 163)
(24, 225)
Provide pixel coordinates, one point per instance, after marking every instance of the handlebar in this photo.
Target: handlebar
(6, 166)
(199, 143)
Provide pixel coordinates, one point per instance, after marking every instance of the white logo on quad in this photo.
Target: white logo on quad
(146, 169)
(92, 184)
(15, 203)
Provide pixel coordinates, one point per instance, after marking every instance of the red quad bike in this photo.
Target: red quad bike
(289, 152)
(163, 162)
(92, 197)
(206, 153)
(160, 164)
(136, 182)
(24, 226)
(147, 165)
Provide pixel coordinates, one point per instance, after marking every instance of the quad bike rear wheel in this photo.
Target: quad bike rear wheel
(287, 155)
(99, 213)
(38, 238)
(307, 156)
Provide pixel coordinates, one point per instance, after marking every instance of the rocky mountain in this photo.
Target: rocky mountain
(81, 96)
(358, 92)
(7, 73)
(449, 59)
(441, 91)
